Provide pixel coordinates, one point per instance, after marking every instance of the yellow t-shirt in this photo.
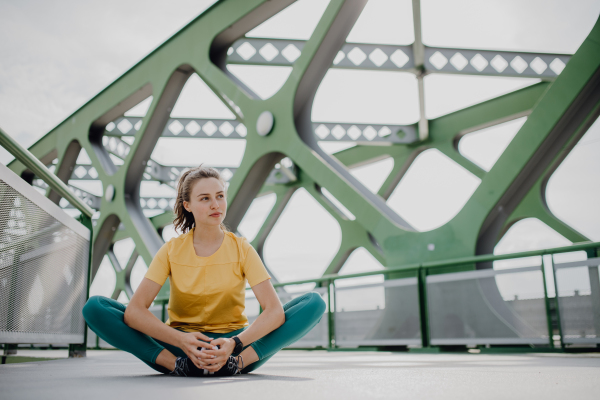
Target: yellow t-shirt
(207, 293)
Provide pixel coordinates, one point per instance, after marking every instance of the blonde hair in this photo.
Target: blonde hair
(184, 219)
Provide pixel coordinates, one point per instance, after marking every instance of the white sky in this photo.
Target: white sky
(57, 55)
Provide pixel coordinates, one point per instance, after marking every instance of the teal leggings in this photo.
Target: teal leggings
(105, 317)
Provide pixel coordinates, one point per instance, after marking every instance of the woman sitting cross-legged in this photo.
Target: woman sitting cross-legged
(207, 333)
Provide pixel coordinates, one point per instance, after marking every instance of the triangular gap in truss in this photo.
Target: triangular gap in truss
(201, 130)
(485, 146)
(432, 191)
(295, 22)
(256, 215)
(526, 235)
(123, 250)
(384, 22)
(445, 93)
(265, 81)
(573, 189)
(373, 175)
(119, 134)
(360, 261)
(197, 100)
(105, 280)
(366, 97)
(304, 240)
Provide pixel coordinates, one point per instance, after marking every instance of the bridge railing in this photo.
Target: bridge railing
(528, 299)
(44, 260)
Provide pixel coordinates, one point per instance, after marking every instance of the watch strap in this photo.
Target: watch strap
(239, 346)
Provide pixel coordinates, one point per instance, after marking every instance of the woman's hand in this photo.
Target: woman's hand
(226, 347)
(190, 342)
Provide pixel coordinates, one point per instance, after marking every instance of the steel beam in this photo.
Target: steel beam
(416, 58)
(381, 134)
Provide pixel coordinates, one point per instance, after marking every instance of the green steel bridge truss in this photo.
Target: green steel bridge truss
(286, 156)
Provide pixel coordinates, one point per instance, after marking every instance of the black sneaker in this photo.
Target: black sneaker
(185, 367)
(231, 367)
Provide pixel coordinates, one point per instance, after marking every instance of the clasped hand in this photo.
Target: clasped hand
(203, 351)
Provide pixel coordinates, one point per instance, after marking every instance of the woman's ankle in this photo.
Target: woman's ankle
(166, 359)
(249, 356)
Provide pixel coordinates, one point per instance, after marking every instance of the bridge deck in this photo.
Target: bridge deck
(315, 375)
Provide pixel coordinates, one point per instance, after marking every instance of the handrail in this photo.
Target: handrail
(447, 263)
(35, 165)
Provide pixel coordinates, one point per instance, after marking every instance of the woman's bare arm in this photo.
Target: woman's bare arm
(270, 319)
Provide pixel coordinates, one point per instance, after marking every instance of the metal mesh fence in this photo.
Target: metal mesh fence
(43, 269)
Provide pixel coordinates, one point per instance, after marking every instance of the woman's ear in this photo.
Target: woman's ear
(186, 205)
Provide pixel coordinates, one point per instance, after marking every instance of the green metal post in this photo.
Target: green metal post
(547, 304)
(79, 349)
(423, 310)
(330, 315)
(163, 313)
(594, 291)
(558, 320)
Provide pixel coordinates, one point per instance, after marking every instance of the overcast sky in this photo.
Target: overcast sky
(56, 55)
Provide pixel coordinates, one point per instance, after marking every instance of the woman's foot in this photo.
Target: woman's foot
(185, 367)
(233, 366)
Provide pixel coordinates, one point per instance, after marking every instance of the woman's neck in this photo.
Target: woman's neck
(208, 234)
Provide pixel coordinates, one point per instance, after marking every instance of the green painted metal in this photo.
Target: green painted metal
(547, 305)
(438, 267)
(562, 343)
(35, 165)
(79, 349)
(330, 316)
(558, 113)
(423, 308)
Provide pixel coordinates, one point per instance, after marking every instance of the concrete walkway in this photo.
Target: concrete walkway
(294, 375)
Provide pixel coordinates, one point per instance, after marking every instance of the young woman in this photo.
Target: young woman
(207, 332)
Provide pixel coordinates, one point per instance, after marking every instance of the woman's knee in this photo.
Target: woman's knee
(93, 307)
(316, 303)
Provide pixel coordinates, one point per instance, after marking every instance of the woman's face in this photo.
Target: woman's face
(207, 202)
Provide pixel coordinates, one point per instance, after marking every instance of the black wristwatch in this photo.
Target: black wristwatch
(238, 345)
